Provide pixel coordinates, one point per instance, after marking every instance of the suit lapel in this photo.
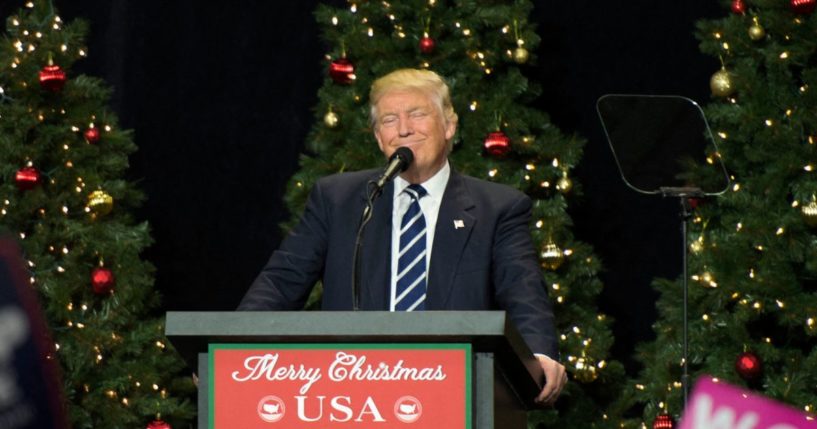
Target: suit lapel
(376, 253)
(454, 226)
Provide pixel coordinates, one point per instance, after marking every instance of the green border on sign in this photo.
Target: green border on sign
(328, 346)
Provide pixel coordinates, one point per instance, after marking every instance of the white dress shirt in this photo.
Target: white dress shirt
(429, 204)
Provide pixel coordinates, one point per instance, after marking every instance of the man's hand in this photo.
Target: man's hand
(555, 380)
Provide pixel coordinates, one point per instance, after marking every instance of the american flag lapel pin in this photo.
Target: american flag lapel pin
(458, 223)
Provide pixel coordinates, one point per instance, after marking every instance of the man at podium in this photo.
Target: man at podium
(437, 240)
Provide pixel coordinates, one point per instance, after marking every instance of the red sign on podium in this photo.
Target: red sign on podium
(340, 385)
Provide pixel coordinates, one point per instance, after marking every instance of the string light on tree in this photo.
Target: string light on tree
(697, 245)
(564, 183)
(331, 119)
(738, 7)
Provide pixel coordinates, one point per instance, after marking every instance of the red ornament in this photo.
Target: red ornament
(427, 45)
(693, 202)
(663, 421)
(158, 424)
(342, 71)
(92, 135)
(497, 144)
(52, 78)
(27, 178)
(102, 280)
(738, 7)
(749, 366)
(803, 7)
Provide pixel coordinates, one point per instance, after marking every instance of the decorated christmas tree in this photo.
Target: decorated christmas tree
(63, 192)
(482, 48)
(753, 250)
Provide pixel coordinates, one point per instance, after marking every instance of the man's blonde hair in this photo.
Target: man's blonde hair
(412, 80)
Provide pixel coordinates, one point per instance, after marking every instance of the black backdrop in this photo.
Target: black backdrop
(220, 96)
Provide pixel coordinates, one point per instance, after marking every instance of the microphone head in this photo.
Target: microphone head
(406, 156)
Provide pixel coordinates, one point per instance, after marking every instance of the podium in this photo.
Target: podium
(505, 376)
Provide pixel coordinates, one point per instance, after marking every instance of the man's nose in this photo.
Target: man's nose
(404, 128)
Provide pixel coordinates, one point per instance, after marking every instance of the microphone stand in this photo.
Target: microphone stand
(374, 192)
(399, 161)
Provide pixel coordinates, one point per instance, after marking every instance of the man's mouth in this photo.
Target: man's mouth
(409, 143)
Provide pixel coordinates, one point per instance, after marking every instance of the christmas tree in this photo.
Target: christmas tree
(62, 159)
(482, 48)
(753, 250)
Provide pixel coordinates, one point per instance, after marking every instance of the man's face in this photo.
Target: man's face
(410, 118)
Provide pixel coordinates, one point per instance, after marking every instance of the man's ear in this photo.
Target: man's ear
(379, 139)
(451, 128)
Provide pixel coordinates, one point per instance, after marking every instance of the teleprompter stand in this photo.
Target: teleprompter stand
(663, 145)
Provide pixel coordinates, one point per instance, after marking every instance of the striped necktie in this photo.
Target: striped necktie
(411, 262)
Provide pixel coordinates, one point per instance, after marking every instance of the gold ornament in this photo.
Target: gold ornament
(586, 376)
(100, 203)
(809, 213)
(584, 369)
(331, 119)
(721, 83)
(585, 372)
(564, 184)
(552, 256)
(756, 31)
(520, 55)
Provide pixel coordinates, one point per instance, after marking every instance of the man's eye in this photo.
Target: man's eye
(418, 114)
(388, 120)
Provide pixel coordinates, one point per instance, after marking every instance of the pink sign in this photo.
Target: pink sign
(717, 405)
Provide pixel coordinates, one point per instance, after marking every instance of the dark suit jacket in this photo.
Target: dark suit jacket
(488, 264)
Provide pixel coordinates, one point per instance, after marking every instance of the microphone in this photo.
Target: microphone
(399, 162)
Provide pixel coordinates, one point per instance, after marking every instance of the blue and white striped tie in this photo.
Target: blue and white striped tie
(411, 263)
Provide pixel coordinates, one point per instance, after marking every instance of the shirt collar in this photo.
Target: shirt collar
(435, 186)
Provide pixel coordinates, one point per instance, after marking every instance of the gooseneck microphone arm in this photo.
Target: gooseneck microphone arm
(399, 162)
